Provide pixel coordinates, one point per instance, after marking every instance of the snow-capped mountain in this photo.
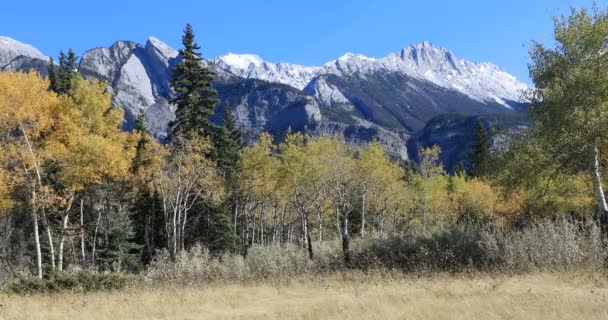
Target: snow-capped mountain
(11, 49)
(483, 82)
(388, 99)
(252, 66)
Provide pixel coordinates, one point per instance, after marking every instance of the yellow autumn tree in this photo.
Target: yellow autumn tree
(86, 147)
(5, 200)
(260, 187)
(28, 112)
(188, 177)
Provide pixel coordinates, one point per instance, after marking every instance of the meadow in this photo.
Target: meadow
(575, 294)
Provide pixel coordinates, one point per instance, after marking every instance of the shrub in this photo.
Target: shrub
(544, 246)
(82, 281)
(552, 245)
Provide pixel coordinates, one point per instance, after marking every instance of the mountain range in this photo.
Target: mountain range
(391, 99)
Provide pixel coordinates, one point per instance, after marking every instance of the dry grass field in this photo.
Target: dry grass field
(567, 295)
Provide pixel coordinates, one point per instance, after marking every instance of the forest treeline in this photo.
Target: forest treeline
(79, 193)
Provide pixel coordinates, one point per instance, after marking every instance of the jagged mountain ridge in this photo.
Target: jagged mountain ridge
(387, 99)
(484, 82)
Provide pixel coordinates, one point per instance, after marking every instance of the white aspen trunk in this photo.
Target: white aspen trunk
(599, 190)
(82, 249)
(174, 234)
(34, 202)
(49, 235)
(253, 229)
(94, 249)
(363, 214)
(64, 226)
(320, 224)
(338, 222)
(36, 234)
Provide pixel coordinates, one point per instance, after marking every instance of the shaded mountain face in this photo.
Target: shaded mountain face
(455, 135)
(17, 56)
(388, 99)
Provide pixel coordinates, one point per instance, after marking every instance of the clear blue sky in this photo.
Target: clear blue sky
(306, 32)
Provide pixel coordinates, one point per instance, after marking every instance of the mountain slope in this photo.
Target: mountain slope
(253, 67)
(387, 99)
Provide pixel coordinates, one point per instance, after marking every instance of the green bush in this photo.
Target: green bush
(82, 281)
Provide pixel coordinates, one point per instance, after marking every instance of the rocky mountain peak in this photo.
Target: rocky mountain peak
(11, 49)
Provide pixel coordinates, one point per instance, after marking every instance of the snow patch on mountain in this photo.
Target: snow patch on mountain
(11, 49)
(482, 82)
(253, 66)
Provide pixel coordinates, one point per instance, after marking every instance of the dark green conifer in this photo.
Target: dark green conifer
(61, 78)
(480, 152)
(227, 145)
(195, 98)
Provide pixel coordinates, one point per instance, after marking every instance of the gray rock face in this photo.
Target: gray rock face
(11, 49)
(27, 64)
(392, 99)
(454, 134)
(139, 77)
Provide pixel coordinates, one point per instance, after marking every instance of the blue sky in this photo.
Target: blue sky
(306, 32)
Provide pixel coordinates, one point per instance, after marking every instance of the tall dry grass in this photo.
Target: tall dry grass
(351, 295)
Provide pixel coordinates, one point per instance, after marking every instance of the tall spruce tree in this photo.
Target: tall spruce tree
(480, 152)
(195, 98)
(227, 154)
(52, 75)
(227, 145)
(61, 78)
(146, 212)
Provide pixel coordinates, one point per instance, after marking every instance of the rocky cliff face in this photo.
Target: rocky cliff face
(454, 134)
(17, 56)
(387, 99)
(139, 78)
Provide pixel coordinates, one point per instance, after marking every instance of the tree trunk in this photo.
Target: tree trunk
(64, 226)
(34, 202)
(363, 216)
(82, 248)
(307, 235)
(599, 190)
(95, 233)
(345, 239)
(36, 234)
(49, 235)
(320, 224)
(245, 236)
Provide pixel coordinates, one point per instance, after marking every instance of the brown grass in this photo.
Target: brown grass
(566, 295)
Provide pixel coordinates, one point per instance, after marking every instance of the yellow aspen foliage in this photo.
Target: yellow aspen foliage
(474, 198)
(148, 159)
(27, 112)
(88, 144)
(5, 200)
(260, 168)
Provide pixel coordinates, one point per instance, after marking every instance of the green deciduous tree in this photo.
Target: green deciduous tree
(571, 97)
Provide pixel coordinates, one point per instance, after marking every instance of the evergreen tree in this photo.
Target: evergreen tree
(142, 129)
(52, 76)
(61, 78)
(146, 213)
(460, 170)
(227, 148)
(195, 98)
(227, 153)
(480, 152)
